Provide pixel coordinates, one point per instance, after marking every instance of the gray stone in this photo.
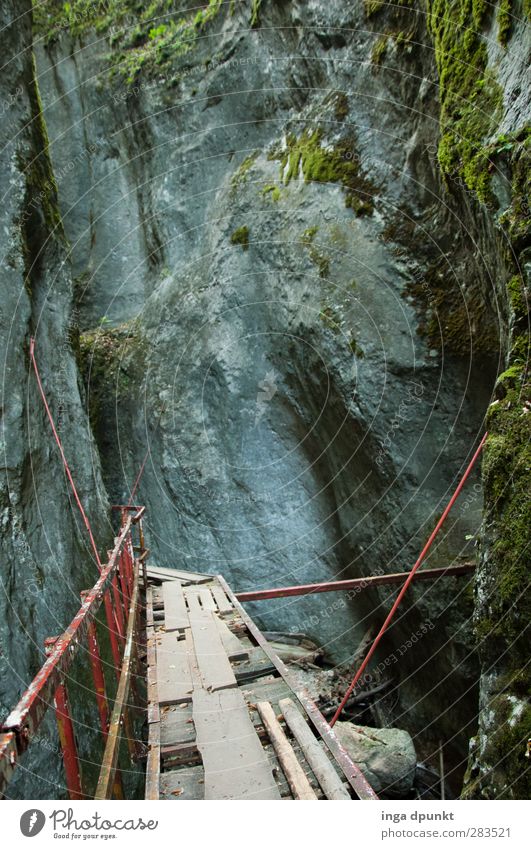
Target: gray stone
(386, 756)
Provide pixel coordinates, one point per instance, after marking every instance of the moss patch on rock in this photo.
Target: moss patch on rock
(241, 237)
(470, 97)
(111, 362)
(308, 156)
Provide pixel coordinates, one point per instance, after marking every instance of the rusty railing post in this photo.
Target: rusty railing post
(67, 737)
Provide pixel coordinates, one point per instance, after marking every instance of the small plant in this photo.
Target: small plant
(241, 237)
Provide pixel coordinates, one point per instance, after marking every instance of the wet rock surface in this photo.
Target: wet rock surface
(249, 243)
(386, 756)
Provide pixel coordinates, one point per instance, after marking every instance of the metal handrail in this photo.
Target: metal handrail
(117, 589)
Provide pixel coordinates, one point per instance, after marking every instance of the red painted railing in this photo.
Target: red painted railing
(117, 589)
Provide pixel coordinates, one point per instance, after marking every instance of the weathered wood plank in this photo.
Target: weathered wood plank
(232, 645)
(186, 784)
(207, 602)
(314, 754)
(224, 605)
(214, 665)
(299, 784)
(191, 595)
(176, 725)
(153, 762)
(236, 766)
(163, 573)
(174, 681)
(175, 612)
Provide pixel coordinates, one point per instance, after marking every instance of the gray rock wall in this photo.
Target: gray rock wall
(44, 552)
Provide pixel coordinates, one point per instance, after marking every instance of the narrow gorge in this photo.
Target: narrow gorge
(282, 246)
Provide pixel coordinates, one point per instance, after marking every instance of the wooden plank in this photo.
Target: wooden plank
(214, 665)
(153, 762)
(183, 784)
(176, 725)
(192, 599)
(352, 772)
(175, 612)
(207, 602)
(232, 645)
(174, 681)
(163, 573)
(299, 784)
(224, 605)
(321, 766)
(236, 766)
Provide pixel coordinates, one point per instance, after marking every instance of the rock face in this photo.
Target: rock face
(282, 297)
(386, 756)
(44, 553)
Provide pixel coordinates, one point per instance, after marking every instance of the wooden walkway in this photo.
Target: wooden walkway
(225, 717)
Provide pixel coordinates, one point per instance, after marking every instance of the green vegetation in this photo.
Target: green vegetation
(306, 155)
(504, 22)
(144, 37)
(111, 362)
(272, 191)
(355, 348)
(341, 109)
(321, 261)
(379, 48)
(241, 237)
(240, 175)
(469, 95)
(255, 13)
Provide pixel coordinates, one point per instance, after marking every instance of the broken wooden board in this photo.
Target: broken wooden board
(323, 770)
(174, 680)
(235, 764)
(175, 612)
(297, 780)
(186, 783)
(214, 665)
(232, 645)
(162, 573)
(224, 605)
(176, 724)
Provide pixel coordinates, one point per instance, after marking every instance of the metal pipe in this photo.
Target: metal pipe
(354, 583)
(410, 577)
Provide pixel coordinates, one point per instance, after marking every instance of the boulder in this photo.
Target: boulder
(386, 756)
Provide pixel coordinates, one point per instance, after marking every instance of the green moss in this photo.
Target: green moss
(470, 97)
(330, 318)
(240, 175)
(309, 235)
(355, 348)
(372, 6)
(241, 237)
(517, 219)
(379, 48)
(272, 191)
(306, 155)
(504, 22)
(111, 362)
(255, 13)
(144, 38)
(341, 108)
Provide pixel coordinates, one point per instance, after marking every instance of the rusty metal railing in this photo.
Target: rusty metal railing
(118, 590)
